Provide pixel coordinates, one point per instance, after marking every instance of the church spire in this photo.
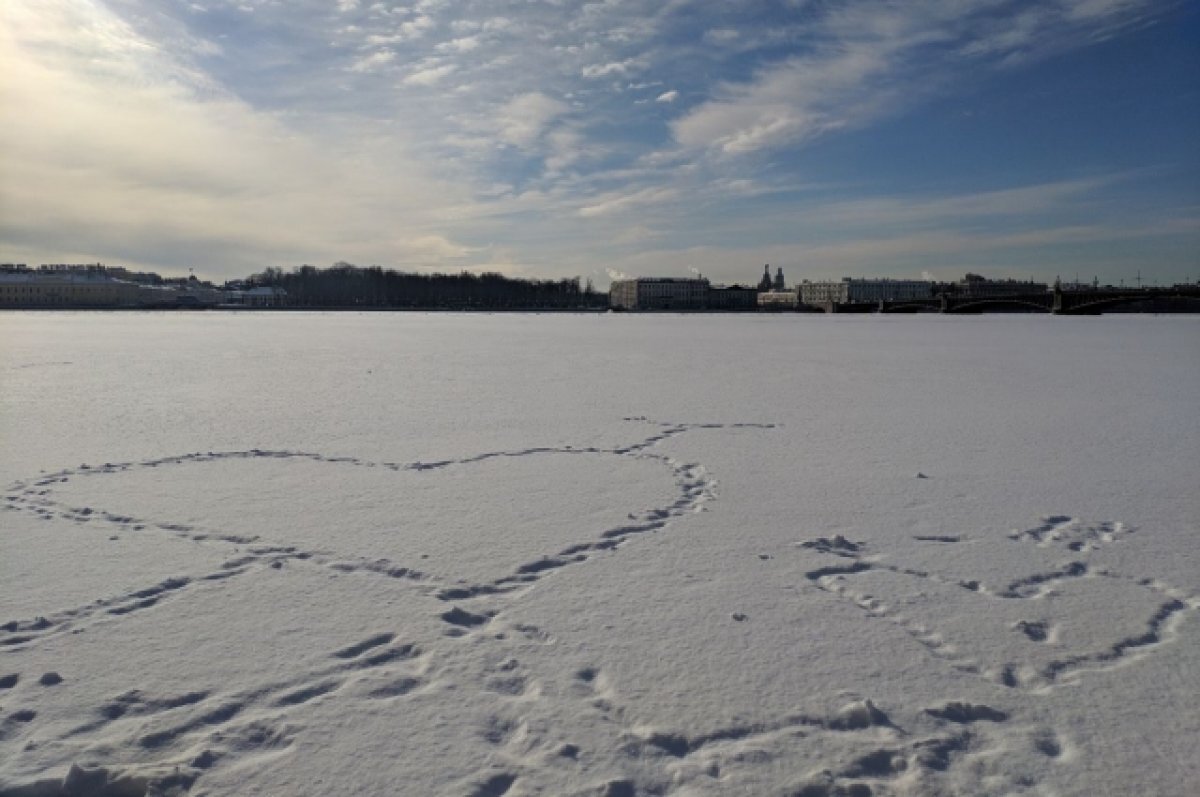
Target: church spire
(764, 284)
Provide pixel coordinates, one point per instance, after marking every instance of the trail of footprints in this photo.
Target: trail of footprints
(1061, 533)
(864, 752)
(856, 749)
(195, 730)
(695, 488)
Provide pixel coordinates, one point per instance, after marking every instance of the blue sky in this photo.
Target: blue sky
(551, 138)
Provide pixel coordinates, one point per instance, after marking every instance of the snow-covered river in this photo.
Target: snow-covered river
(311, 554)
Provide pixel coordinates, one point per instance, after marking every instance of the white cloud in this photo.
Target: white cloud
(638, 234)
(373, 62)
(429, 76)
(871, 58)
(144, 170)
(1099, 9)
(791, 101)
(431, 248)
(523, 120)
(611, 68)
(916, 211)
(463, 44)
(722, 35)
(616, 202)
(511, 104)
(415, 27)
(566, 147)
(403, 32)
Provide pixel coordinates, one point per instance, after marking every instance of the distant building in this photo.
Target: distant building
(62, 285)
(73, 268)
(731, 298)
(765, 284)
(70, 285)
(769, 284)
(863, 291)
(145, 277)
(167, 296)
(658, 293)
(261, 296)
(778, 300)
(974, 286)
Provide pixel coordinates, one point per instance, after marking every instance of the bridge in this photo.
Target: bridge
(1176, 298)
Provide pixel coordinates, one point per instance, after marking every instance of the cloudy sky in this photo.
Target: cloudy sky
(555, 138)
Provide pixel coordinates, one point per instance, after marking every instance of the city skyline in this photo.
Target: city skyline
(558, 139)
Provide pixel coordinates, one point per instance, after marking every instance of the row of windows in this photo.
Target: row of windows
(39, 295)
(50, 291)
(667, 290)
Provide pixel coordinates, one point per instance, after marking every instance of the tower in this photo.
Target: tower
(779, 283)
(764, 284)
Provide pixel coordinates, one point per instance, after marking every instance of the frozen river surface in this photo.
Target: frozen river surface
(312, 554)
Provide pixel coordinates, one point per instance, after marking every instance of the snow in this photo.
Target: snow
(312, 554)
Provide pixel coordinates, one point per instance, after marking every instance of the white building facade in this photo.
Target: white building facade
(64, 286)
(778, 300)
(658, 293)
(863, 291)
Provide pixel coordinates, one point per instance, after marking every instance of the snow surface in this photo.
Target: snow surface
(310, 554)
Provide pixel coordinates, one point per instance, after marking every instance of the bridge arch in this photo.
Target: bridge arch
(980, 305)
(917, 306)
(1187, 302)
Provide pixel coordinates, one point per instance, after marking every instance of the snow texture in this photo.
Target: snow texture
(314, 554)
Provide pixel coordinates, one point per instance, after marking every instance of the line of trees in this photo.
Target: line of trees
(347, 285)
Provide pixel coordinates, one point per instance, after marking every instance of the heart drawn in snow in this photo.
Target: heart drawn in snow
(1056, 616)
(475, 523)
